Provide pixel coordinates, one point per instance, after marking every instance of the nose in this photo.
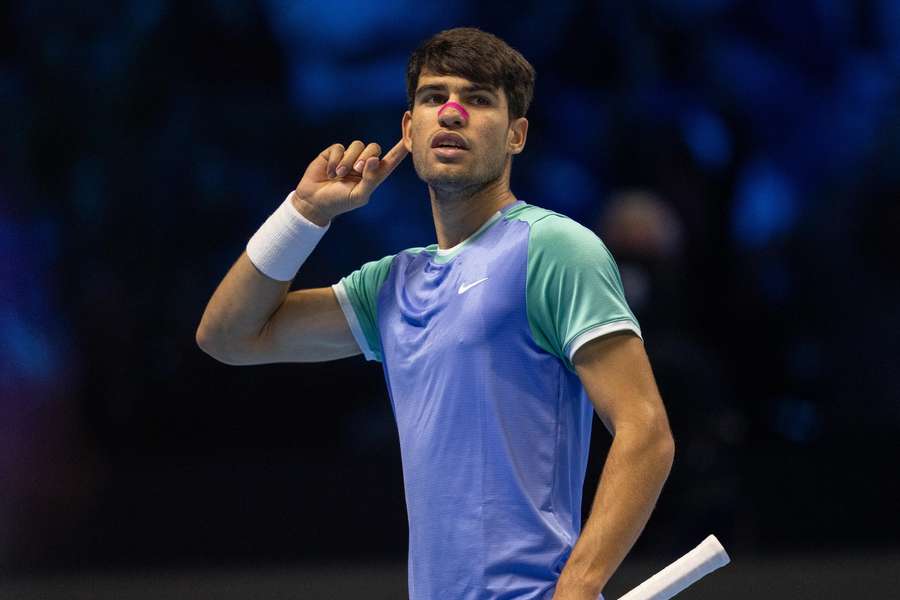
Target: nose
(452, 113)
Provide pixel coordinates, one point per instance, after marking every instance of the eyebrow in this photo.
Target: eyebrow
(475, 87)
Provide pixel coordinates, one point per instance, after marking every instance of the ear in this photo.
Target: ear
(518, 131)
(406, 130)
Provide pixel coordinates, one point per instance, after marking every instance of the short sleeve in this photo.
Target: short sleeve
(574, 290)
(357, 293)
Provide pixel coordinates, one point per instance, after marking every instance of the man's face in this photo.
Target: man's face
(484, 127)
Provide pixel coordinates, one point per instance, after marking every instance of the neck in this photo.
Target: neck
(459, 213)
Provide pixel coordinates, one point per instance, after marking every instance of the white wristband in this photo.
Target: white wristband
(284, 242)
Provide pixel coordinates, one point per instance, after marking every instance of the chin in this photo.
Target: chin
(448, 183)
(438, 176)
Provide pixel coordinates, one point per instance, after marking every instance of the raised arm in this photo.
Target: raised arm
(251, 318)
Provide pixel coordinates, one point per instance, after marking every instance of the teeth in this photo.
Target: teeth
(451, 144)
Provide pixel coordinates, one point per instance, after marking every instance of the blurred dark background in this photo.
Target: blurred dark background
(741, 160)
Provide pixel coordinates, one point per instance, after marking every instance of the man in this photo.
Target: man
(497, 342)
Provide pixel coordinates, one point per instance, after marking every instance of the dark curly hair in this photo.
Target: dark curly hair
(481, 58)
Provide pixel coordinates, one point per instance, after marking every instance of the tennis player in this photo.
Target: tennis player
(497, 342)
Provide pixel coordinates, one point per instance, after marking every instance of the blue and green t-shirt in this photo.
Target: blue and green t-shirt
(476, 342)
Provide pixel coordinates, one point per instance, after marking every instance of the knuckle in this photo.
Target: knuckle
(375, 148)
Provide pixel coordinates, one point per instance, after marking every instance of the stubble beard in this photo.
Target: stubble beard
(457, 179)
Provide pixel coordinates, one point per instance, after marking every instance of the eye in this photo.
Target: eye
(480, 100)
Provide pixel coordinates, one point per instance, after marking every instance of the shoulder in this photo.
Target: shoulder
(557, 235)
(417, 250)
(378, 266)
(530, 213)
(384, 263)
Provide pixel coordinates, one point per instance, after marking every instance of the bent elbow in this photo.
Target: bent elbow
(202, 339)
(657, 441)
(207, 343)
(215, 349)
(666, 449)
(662, 436)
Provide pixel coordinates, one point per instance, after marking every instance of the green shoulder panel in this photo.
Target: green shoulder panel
(573, 288)
(358, 292)
(361, 288)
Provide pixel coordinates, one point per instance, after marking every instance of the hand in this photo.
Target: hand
(339, 179)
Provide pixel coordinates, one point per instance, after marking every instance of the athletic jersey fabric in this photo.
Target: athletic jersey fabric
(476, 344)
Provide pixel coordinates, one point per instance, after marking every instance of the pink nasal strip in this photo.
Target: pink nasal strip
(457, 106)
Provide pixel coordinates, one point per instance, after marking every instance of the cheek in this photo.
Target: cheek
(498, 136)
(418, 136)
(417, 124)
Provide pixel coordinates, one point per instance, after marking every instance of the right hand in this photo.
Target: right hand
(323, 194)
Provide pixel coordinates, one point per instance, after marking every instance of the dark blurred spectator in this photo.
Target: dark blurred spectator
(646, 237)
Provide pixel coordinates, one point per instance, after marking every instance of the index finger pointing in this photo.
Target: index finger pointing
(390, 160)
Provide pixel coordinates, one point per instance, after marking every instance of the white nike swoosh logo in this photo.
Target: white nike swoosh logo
(466, 287)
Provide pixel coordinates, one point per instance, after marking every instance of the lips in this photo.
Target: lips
(446, 152)
(448, 138)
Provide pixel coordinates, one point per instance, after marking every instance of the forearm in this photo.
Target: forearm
(256, 285)
(240, 307)
(636, 468)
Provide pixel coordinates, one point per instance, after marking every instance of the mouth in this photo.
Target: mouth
(449, 151)
(449, 144)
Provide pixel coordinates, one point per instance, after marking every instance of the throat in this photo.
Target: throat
(457, 220)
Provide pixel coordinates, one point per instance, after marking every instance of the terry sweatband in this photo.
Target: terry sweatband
(284, 242)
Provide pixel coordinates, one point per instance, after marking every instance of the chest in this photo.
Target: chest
(475, 300)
